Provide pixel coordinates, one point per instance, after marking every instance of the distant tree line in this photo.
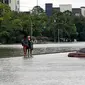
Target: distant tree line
(64, 25)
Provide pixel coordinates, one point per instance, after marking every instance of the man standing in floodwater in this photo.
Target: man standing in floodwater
(27, 45)
(30, 44)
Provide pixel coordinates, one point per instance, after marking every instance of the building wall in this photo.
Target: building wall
(5, 1)
(48, 9)
(76, 11)
(15, 5)
(18, 5)
(83, 11)
(65, 7)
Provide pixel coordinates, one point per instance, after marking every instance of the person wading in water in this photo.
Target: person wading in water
(30, 43)
(27, 45)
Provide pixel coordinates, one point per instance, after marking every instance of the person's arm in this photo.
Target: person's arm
(31, 44)
(23, 43)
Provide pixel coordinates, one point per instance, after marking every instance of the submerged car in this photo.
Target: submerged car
(80, 53)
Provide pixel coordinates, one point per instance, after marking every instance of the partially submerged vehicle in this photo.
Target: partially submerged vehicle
(79, 53)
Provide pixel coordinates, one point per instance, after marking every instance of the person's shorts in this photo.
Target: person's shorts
(31, 47)
(26, 47)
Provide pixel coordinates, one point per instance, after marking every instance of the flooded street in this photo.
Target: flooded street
(14, 50)
(48, 69)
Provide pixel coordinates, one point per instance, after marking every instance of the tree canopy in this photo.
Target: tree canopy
(64, 25)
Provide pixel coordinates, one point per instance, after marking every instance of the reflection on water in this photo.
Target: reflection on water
(15, 50)
(10, 52)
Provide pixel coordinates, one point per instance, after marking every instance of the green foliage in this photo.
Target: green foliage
(37, 10)
(64, 25)
(0, 0)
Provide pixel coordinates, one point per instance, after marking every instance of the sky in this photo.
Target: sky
(26, 5)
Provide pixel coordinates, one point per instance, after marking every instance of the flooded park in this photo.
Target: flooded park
(53, 31)
(42, 69)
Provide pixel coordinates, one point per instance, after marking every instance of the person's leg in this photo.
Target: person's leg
(25, 50)
(30, 52)
(31, 48)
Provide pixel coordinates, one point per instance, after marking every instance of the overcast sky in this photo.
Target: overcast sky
(26, 5)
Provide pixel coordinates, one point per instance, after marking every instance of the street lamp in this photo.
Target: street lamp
(54, 31)
(58, 36)
(37, 2)
(58, 33)
(31, 29)
(37, 7)
(31, 25)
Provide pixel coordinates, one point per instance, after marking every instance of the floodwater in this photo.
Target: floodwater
(15, 50)
(48, 69)
(10, 52)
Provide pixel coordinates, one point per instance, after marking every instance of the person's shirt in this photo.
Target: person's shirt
(30, 44)
(24, 42)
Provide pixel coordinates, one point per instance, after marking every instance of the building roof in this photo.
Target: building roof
(83, 7)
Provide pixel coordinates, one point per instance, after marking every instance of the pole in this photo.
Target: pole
(37, 2)
(37, 7)
(3, 1)
(58, 36)
(54, 30)
(31, 29)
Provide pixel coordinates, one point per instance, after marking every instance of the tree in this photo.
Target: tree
(1, 0)
(62, 25)
(37, 10)
(80, 25)
(5, 14)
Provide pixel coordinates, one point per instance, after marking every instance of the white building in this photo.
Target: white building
(76, 11)
(14, 4)
(83, 11)
(65, 7)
